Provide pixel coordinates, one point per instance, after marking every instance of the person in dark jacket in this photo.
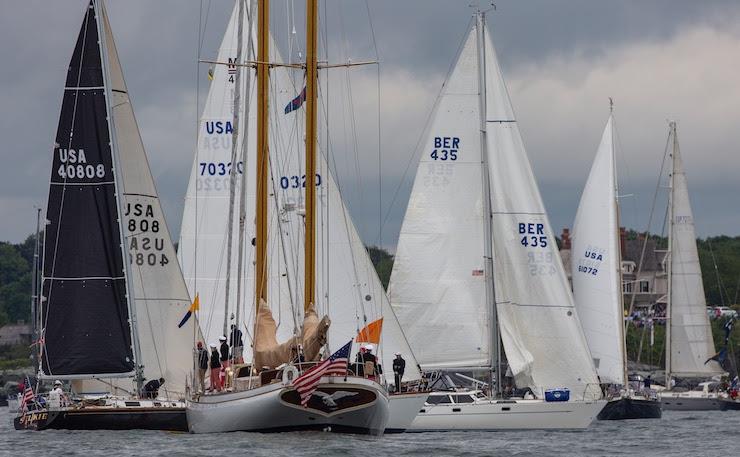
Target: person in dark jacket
(237, 344)
(224, 352)
(151, 389)
(202, 366)
(215, 369)
(399, 366)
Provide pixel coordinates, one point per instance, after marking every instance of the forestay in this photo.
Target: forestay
(540, 330)
(690, 333)
(85, 321)
(438, 284)
(596, 264)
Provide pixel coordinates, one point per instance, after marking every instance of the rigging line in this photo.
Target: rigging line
(61, 203)
(427, 126)
(716, 272)
(351, 120)
(380, 156)
(343, 209)
(633, 296)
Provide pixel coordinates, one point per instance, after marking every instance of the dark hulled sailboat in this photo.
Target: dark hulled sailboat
(102, 209)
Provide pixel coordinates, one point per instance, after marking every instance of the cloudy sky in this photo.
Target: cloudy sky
(658, 59)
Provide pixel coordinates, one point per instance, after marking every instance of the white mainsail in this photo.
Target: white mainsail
(691, 342)
(438, 282)
(596, 264)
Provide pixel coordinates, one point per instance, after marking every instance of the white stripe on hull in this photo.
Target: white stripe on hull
(517, 415)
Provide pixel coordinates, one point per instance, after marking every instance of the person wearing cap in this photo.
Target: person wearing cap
(151, 389)
(224, 352)
(360, 361)
(57, 398)
(202, 366)
(237, 344)
(399, 366)
(370, 357)
(215, 369)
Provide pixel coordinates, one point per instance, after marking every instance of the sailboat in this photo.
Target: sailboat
(263, 396)
(475, 222)
(112, 291)
(689, 342)
(597, 285)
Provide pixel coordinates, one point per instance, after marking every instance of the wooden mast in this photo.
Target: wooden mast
(311, 79)
(263, 57)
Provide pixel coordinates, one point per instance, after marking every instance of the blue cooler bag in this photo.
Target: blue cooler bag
(557, 394)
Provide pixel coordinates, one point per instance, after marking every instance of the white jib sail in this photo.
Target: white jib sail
(541, 333)
(438, 284)
(596, 265)
(203, 234)
(691, 335)
(159, 292)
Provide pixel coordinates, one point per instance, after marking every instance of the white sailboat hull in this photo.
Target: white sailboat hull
(275, 408)
(507, 415)
(690, 401)
(404, 408)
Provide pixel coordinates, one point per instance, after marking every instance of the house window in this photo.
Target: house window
(644, 286)
(627, 288)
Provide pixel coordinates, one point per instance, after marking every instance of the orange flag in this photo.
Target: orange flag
(371, 332)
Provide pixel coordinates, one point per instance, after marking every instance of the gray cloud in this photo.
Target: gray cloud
(658, 59)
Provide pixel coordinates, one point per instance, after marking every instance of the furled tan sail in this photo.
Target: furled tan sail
(269, 353)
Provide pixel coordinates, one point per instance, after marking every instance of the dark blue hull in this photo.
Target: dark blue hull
(631, 408)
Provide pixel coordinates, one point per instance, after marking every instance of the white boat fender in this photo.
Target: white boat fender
(289, 374)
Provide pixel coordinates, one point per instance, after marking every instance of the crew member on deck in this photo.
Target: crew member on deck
(215, 369)
(370, 357)
(224, 352)
(202, 366)
(57, 397)
(399, 366)
(151, 389)
(237, 344)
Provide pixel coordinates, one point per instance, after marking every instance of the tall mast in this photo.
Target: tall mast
(495, 349)
(35, 283)
(263, 57)
(620, 301)
(311, 79)
(118, 182)
(669, 319)
(232, 178)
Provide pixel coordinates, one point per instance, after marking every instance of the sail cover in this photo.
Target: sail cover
(691, 335)
(160, 295)
(85, 321)
(437, 285)
(596, 265)
(541, 333)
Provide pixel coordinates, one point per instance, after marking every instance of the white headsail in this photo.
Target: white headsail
(596, 265)
(691, 342)
(438, 282)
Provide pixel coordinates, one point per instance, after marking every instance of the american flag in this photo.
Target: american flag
(477, 272)
(306, 383)
(28, 396)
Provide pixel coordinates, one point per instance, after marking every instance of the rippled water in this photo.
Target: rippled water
(714, 433)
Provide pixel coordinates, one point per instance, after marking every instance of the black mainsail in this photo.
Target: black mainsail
(84, 312)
